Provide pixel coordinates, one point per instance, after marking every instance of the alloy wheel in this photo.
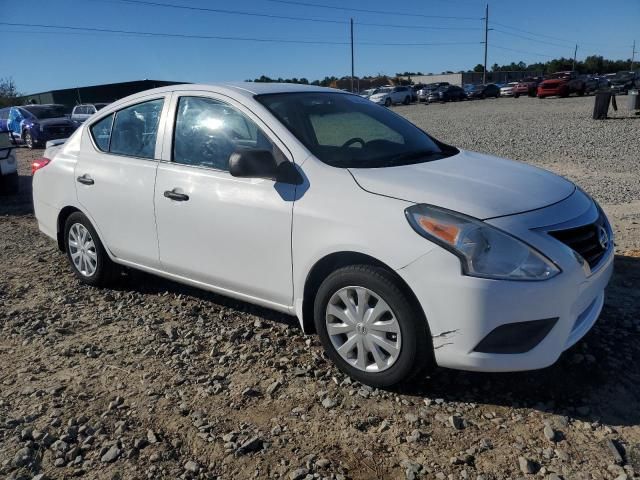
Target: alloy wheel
(82, 250)
(363, 329)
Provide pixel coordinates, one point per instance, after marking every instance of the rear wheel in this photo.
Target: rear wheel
(85, 252)
(370, 328)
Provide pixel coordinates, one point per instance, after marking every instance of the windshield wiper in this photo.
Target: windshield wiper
(404, 157)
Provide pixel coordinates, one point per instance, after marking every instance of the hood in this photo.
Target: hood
(379, 95)
(481, 186)
(554, 81)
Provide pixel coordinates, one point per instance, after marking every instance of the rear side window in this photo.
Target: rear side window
(133, 132)
(101, 132)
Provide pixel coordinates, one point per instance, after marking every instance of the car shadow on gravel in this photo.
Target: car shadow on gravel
(597, 380)
(21, 203)
(147, 284)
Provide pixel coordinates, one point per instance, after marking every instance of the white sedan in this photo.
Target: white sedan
(507, 90)
(399, 251)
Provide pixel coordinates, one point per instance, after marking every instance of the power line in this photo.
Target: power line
(522, 51)
(147, 3)
(365, 10)
(529, 38)
(225, 37)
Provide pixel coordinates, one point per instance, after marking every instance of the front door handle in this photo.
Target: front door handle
(86, 180)
(173, 195)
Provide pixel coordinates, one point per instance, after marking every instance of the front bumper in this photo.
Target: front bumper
(462, 310)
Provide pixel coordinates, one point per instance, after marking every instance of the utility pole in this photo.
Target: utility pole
(486, 38)
(575, 54)
(352, 56)
(633, 55)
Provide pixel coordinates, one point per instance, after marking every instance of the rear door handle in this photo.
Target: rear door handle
(85, 180)
(178, 197)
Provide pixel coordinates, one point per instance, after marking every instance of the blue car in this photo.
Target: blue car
(34, 125)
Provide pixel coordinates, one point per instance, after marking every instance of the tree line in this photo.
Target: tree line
(591, 64)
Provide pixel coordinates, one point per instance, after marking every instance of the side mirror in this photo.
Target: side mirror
(253, 163)
(256, 163)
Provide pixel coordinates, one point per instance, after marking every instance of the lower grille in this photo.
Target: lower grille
(590, 241)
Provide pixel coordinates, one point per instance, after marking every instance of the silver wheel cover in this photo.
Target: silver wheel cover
(363, 329)
(82, 250)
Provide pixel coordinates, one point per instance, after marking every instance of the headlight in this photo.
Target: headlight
(483, 250)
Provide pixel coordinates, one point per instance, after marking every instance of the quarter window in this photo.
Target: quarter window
(101, 132)
(208, 131)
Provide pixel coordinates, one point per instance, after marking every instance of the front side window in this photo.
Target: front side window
(349, 131)
(208, 131)
(135, 130)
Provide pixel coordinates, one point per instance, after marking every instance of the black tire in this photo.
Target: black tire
(516, 95)
(387, 102)
(416, 351)
(106, 271)
(28, 139)
(407, 100)
(541, 97)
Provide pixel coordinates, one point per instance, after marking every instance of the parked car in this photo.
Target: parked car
(526, 86)
(507, 90)
(406, 254)
(414, 93)
(447, 93)
(388, 96)
(594, 83)
(622, 82)
(561, 84)
(9, 180)
(483, 91)
(33, 125)
(423, 93)
(81, 112)
(368, 92)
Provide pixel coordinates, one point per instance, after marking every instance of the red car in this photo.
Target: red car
(561, 84)
(527, 86)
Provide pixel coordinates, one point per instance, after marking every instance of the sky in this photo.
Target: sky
(427, 36)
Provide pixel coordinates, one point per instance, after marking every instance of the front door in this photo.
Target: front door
(115, 180)
(230, 233)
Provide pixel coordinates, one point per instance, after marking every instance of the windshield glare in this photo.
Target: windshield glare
(349, 131)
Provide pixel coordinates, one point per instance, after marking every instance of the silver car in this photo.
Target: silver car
(81, 112)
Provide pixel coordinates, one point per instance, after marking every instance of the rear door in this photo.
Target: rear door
(227, 232)
(115, 177)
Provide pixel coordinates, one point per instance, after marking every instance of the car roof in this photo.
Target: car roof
(246, 89)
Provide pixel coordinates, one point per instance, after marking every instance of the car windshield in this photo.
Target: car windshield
(43, 112)
(348, 131)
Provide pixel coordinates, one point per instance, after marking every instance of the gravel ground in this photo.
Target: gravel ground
(152, 379)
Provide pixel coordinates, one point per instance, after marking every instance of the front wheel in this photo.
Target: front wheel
(86, 254)
(407, 101)
(370, 328)
(387, 102)
(516, 95)
(28, 139)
